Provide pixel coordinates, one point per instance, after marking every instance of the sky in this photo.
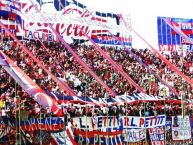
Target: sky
(144, 14)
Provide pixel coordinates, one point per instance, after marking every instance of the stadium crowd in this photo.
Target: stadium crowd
(64, 66)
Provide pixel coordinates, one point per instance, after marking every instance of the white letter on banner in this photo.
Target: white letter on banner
(100, 120)
(87, 141)
(80, 140)
(50, 37)
(30, 35)
(30, 127)
(36, 34)
(100, 140)
(159, 120)
(47, 124)
(40, 37)
(99, 38)
(25, 126)
(143, 122)
(96, 139)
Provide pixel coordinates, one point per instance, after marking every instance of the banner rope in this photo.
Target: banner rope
(62, 85)
(110, 60)
(71, 92)
(79, 60)
(118, 68)
(30, 87)
(173, 90)
(172, 67)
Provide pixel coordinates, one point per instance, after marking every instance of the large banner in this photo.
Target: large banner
(134, 135)
(137, 97)
(157, 135)
(49, 130)
(7, 130)
(114, 123)
(181, 128)
(128, 137)
(114, 130)
(67, 17)
(169, 40)
(104, 130)
(48, 124)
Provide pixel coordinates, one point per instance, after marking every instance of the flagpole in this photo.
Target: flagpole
(161, 25)
(18, 117)
(86, 129)
(40, 126)
(64, 124)
(17, 126)
(107, 120)
(166, 119)
(22, 26)
(1, 30)
(8, 38)
(21, 33)
(176, 42)
(146, 132)
(65, 134)
(182, 102)
(166, 32)
(101, 43)
(171, 41)
(126, 111)
(15, 28)
(19, 120)
(87, 143)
